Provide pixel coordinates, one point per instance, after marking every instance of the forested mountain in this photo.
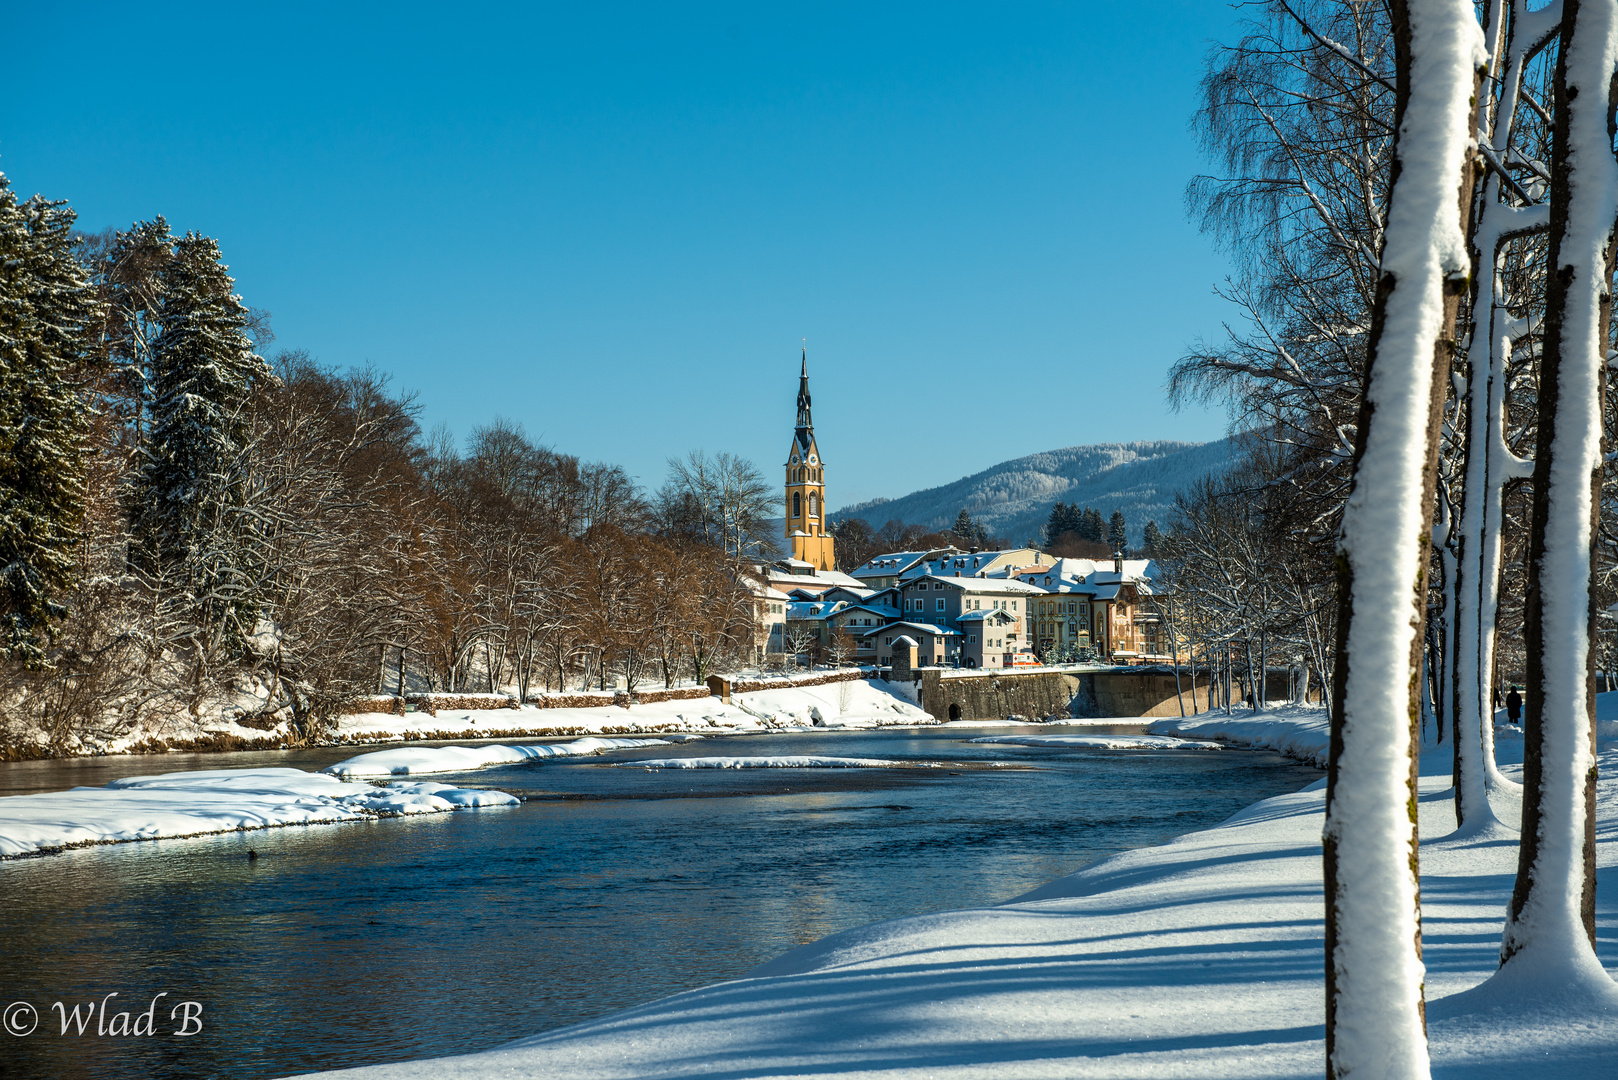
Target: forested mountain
(1013, 499)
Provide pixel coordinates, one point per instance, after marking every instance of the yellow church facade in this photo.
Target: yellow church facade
(808, 537)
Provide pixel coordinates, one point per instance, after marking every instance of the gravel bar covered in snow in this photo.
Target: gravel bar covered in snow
(212, 801)
(1103, 742)
(789, 761)
(417, 760)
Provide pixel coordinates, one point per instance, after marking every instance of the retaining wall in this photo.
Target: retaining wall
(990, 695)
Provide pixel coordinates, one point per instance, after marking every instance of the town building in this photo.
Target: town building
(1090, 605)
(935, 645)
(960, 603)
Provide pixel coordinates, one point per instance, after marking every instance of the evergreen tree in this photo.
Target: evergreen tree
(203, 370)
(1152, 539)
(1092, 528)
(47, 312)
(130, 270)
(1117, 531)
(969, 530)
(1065, 520)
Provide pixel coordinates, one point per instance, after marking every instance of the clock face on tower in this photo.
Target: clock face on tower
(813, 459)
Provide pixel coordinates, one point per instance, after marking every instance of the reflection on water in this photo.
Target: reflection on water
(386, 940)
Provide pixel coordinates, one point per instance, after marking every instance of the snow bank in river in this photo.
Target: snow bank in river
(1103, 742)
(217, 800)
(1200, 958)
(1302, 732)
(860, 703)
(788, 761)
(415, 760)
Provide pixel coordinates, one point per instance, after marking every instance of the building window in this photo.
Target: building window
(940, 603)
(971, 639)
(797, 505)
(814, 505)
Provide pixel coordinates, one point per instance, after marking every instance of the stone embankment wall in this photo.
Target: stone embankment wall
(722, 686)
(990, 695)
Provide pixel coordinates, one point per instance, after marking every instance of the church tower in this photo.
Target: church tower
(807, 536)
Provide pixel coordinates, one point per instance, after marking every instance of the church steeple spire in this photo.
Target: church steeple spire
(806, 426)
(808, 528)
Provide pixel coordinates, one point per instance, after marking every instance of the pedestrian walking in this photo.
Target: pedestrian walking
(1514, 706)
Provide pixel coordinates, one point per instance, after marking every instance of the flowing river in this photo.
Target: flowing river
(387, 940)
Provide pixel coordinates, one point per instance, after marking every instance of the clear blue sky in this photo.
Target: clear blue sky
(614, 223)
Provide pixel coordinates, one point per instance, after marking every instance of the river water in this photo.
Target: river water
(388, 940)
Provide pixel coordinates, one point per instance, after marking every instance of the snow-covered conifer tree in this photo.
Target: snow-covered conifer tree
(131, 272)
(1374, 1007)
(1550, 930)
(47, 308)
(203, 369)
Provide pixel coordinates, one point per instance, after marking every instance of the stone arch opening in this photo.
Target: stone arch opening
(954, 712)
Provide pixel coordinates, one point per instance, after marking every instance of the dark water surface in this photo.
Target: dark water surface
(387, 940)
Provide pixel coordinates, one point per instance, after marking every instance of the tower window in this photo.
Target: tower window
(797, 504)
(814, 505)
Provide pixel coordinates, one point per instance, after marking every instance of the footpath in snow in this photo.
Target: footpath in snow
(1200, 958)
(212, 801)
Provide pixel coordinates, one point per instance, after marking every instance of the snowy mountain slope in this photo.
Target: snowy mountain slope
(1014, 498)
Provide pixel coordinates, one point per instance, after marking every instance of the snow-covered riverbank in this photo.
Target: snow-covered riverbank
(1200, 958)
(212, 801)
(857, 703)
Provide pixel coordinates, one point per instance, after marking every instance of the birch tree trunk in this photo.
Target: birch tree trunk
(1487, 462)
(1374, 1008)
(1550, 929)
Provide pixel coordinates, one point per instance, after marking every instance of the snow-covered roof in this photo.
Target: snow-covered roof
(804, 611)
(817, 582)
(891, 564)
(875, 609)
(1086, 576)
(926, 628)
(986, 615)
(854, 591)
(949, 561)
